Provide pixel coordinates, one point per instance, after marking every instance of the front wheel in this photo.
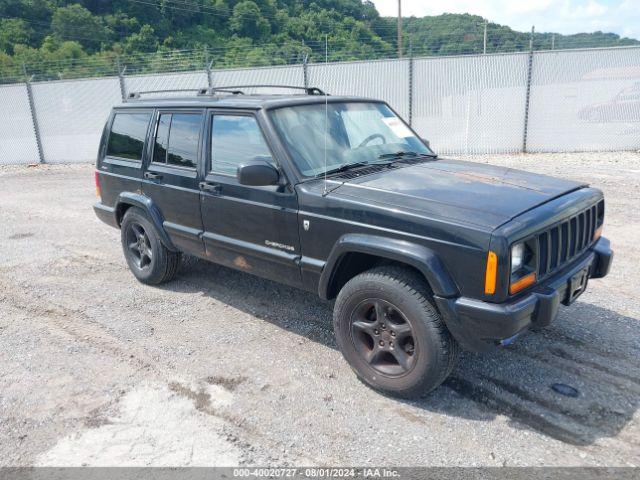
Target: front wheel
(391, 334)
(148, 258)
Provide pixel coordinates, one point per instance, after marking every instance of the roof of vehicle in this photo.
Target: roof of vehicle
(238, 101)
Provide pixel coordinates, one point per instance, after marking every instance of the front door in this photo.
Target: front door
(171, 176)
(253, 229)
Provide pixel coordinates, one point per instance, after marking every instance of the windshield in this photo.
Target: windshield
(357, 133)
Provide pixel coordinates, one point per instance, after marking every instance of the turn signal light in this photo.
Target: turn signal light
(597, 233)
(491, 274)
(523, 283)
(98, 189)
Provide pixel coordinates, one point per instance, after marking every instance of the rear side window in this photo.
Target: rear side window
(236, 140)
(176, 141)
(128, 132)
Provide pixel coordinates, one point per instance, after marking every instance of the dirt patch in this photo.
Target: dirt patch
(230, 383)
(153, 427)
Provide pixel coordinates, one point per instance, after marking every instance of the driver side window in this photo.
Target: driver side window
(236, 139)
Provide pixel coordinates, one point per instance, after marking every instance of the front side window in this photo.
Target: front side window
(176, 141)
(128, 132)
(236, 139)
(355, 132)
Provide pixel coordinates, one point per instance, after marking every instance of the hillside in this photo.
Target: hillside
(86, 37)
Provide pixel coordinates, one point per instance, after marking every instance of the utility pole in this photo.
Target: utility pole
(553, 41)
(399, 28)
(484, 43)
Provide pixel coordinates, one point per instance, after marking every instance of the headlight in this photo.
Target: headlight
(517, 257)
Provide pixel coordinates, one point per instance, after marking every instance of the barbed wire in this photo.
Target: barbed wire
(245, 53)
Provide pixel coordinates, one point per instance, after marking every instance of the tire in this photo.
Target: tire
(148, 258)
(378, 307)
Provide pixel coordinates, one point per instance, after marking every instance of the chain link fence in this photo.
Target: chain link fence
(18, 142)
(561, 100)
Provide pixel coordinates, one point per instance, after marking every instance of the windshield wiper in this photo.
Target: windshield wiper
(397, 154)
(343, 168)
(403, 154)
(387, 159)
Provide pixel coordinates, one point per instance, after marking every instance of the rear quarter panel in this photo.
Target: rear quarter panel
(117, 175)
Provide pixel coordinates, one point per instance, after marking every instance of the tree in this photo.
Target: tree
(238, 32)
(143, 41)
(247, 21)
(74, 22)
(12, 32)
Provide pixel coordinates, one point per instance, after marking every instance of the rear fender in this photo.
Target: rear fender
(126, 199)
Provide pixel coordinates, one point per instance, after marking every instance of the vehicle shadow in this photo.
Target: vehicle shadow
(588, 348)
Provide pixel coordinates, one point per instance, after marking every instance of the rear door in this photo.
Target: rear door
(249, 228)
(171, 175)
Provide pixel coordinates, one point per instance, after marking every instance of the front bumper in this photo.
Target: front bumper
(479, 326)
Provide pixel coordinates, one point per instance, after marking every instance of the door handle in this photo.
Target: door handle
(153, 176)
(213, 188)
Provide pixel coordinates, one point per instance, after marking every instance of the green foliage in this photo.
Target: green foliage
(13, 31)
(63, 38)
(76, 22)
(458, 34)
(247, 21)
(143, 41)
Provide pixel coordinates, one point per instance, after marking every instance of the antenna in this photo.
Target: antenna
(326, 112)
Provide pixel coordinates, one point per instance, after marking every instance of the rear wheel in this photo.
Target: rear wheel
(148, 258)
(391, 334)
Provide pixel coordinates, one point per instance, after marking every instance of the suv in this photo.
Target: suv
(339, 196)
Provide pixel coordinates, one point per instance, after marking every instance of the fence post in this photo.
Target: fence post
(34, 116)
(305, 70)
(411, 82)
(121, 80)
(207, 65)
(528, 94)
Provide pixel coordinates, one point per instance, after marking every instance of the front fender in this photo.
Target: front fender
(422, 258)
(152, 210)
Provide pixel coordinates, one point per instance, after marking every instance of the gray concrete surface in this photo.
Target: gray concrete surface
(221, 368)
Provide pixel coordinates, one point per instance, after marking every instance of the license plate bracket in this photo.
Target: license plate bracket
(576, 286)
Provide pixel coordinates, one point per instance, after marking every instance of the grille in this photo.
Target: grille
(563, 242)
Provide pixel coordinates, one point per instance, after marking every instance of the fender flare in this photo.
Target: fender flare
(420, 257)
(152, 210)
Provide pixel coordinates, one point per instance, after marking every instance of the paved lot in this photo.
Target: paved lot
(220, 368)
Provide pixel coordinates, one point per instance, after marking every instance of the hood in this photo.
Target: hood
(467, 192)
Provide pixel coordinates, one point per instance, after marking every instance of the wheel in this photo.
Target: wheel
(391, 334)
(149, 260)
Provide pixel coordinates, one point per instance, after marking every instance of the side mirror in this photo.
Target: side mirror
(257, 174)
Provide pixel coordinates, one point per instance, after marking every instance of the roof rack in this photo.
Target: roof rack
(234, 90)
(136, 95)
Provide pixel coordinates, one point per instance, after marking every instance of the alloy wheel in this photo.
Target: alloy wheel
(139, 246)
(384, 337)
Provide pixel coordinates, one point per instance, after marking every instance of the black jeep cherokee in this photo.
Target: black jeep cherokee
(338, 196)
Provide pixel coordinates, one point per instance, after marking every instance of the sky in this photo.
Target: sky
(560, 16)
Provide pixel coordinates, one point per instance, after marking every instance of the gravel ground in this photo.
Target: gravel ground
(221, 368)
